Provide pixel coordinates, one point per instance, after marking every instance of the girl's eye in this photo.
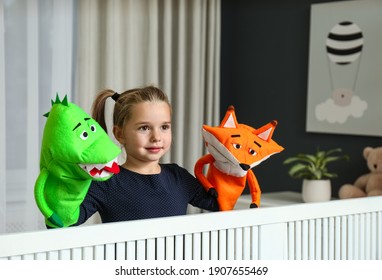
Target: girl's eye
(166, 127)
(93, 128)
(84, 135)
(236, 146)
(144, 128)
(252, 152)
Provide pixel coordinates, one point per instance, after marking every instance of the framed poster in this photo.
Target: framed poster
(345, 68)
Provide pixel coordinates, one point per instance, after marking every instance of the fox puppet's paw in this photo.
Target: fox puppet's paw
(253, 205)
(212, 192)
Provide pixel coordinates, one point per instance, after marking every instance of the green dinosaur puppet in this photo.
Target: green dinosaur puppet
(75, 150)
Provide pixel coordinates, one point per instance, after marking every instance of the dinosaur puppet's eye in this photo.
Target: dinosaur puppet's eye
(252, 152)
(84, 135)
(93, 128)
(236, 146)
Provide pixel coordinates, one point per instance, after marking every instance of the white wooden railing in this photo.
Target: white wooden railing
(341, 229)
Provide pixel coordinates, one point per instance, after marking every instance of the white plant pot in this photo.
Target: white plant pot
(316, 190)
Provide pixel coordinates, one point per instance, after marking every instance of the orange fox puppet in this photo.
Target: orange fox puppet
(233, 150)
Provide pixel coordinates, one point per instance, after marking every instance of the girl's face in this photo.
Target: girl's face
(146, 137)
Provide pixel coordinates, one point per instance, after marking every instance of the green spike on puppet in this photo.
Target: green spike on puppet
(65, 100)
(58, 101)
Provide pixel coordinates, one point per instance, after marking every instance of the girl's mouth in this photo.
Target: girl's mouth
(154, 149)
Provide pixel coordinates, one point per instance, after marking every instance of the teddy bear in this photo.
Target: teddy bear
(369, 184)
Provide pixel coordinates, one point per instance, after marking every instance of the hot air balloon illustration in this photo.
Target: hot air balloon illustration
(344, 47)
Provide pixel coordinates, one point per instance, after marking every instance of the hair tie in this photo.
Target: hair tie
(115, 96)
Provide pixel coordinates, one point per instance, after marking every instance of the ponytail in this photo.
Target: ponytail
(98, 109)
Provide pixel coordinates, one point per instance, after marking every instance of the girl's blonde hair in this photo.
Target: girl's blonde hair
(124, 103)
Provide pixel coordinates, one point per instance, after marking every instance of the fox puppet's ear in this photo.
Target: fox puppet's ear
(229, 120)
(265, 132)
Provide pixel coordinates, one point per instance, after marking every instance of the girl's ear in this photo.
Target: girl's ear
(118, 134)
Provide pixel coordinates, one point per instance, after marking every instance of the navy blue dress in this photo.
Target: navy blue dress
(131, 196)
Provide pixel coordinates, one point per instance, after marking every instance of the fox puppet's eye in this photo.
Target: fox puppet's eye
(236, 146)
(252, 152)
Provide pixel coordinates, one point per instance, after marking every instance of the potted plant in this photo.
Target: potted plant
(313, 169)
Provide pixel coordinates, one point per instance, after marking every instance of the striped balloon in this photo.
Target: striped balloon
(344, 43)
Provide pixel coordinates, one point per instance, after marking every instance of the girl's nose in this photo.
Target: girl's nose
(155, 136)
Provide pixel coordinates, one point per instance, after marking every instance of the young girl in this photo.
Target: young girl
(144, 188)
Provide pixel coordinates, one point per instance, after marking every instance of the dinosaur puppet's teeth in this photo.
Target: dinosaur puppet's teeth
(101, 170)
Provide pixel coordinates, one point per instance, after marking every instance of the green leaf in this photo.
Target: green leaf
(314, 166)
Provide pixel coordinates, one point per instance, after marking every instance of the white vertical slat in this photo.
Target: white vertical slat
(188, 246)
(367, 236)
(362, 231)
(273, 240)
(206, 245)
(87, 253)
(230, 244)
(214, 245)
(337, 238)
(344, 240)
(76, 254)
(179, 247)
(65, 254)
(32, 141)
(197, 246)
(318, 240)
(170, 248)
(255, 247)
(120, 249)
(222, 244)
(28, 257)
(141, 249)
(325, 238)
(331, 238)
(99, 252)
(52, 255)
(350, 238)
(305, 240)
(3, 185)
(357, 232)
(379, 235)
(130, 250)
(110, 251)
(373, 236)
(298, 238)
(161, 248)
(247, 243)
(291, 241)
(238, 243)
(41, 256)
(312, 239)
(150, 249)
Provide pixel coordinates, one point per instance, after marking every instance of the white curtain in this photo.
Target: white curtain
(78, 47)
(36, 61)
(174, 44)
